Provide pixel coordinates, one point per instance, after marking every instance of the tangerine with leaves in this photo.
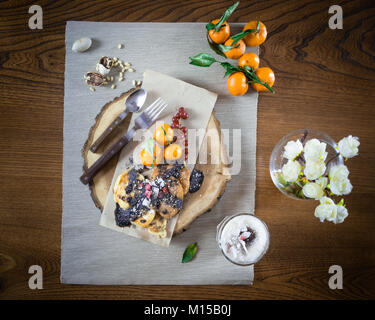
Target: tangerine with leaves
(264, 74)
(151, 159)
(249, 59)
(219, 36)
(238, 50)
(163, 134)
(256, 38)
(237, 84)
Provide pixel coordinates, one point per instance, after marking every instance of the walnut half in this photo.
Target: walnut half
(94, 79)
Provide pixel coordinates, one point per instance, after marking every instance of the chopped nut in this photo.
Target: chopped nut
(123, 69)
(107, 62)
(131, 70)
(128, 64)
(134, 83)
(121, 79)
(120, 46)
(112, 78)
(92, 89)
(113, 86)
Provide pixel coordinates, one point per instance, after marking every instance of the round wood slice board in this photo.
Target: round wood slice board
(195, 204)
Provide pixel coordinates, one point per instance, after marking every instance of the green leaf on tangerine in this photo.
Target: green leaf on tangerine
(237, 37)
(223, 18)
(229, 68)
(215, 47)
(202, 60)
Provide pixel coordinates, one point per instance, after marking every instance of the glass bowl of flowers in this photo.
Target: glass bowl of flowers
(308, 164)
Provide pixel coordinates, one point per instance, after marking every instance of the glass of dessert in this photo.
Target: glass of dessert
(243, 239)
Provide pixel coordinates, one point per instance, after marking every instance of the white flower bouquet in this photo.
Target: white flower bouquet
(307, 172)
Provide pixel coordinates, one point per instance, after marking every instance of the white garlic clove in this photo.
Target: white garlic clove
(81, 45)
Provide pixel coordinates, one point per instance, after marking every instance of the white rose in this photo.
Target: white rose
(314, 169)
(322, 182)
(342, 213)
(326, 210)
(340, 170)
(326, 200)
(339, 182)
(314, 149)
(340, 186)
(292, 149)
(312, 190)
(291, 170)
(348, 146)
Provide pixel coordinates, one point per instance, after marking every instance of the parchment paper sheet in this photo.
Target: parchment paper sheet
(176, 93)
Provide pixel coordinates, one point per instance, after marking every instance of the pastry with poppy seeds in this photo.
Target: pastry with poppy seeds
(177, 170)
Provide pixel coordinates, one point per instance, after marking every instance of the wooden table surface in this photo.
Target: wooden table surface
(324, 80)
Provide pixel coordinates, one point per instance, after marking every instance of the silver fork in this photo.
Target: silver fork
(143, 121)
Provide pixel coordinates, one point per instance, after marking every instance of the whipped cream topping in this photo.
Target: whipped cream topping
(244, 239)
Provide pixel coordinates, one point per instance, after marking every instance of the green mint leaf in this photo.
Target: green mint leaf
(190, 252)
(202, 60)
(149, 146)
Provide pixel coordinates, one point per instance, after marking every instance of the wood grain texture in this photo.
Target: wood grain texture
(324, 80)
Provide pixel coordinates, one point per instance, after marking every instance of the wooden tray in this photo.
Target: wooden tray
(195, 204)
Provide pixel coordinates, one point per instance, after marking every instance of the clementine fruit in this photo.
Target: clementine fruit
(163, 134)
(151, 160)
(219, 36)
(264, 74)
(255, 38)
(173, 152)
(237, 51)
(237, 84)
(249, 59)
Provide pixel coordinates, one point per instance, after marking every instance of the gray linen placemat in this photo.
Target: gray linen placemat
(92, 254)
